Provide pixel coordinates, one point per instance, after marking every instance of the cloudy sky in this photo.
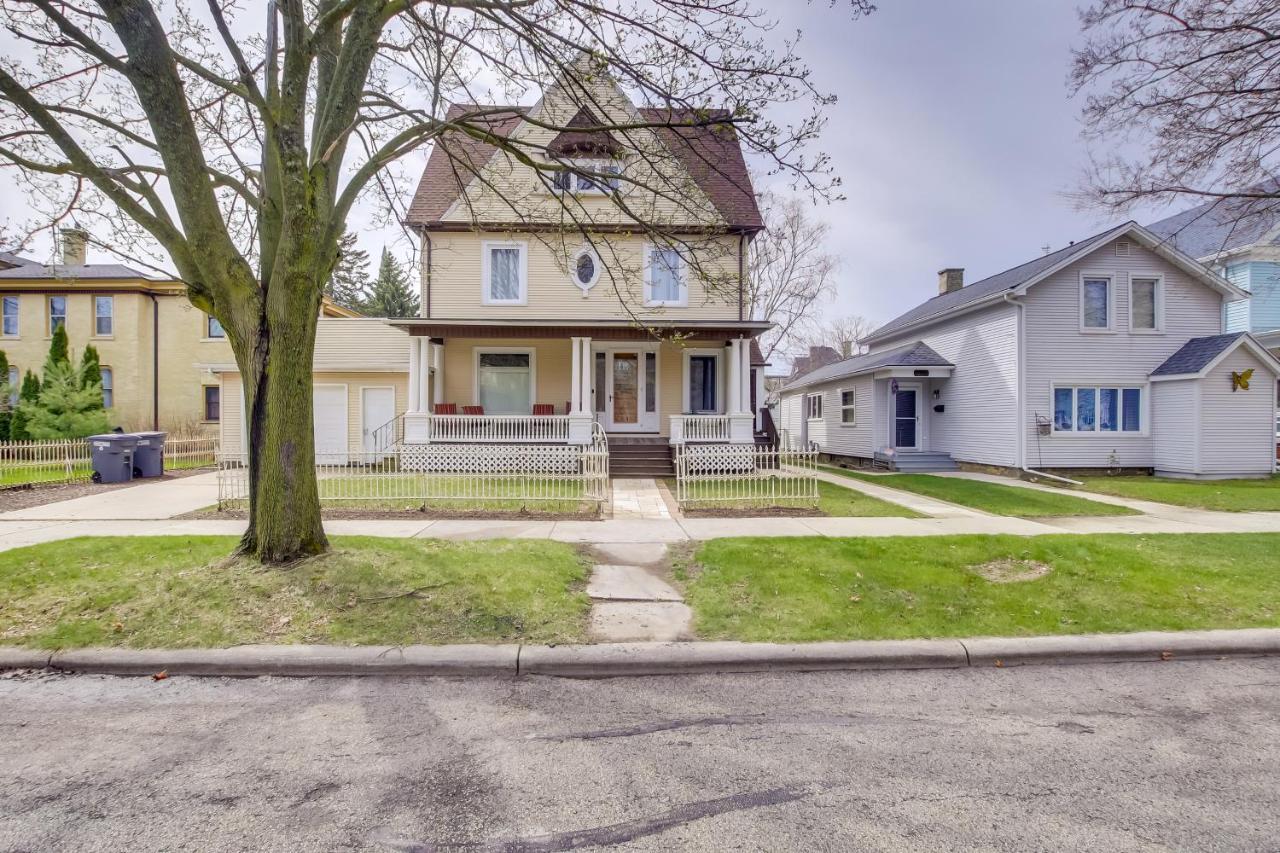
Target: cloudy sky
(954, 135)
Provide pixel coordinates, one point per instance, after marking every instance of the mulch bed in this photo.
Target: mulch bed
(39, 494)
(410, 515)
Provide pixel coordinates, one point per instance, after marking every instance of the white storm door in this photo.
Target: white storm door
(329, 412)
(377, 410)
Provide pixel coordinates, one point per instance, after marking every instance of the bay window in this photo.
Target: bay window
(1097, 409)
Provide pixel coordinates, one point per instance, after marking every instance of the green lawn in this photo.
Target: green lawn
(988, 497)
(832, 500)
(171, 592)
(1227, 495)
(794, 590)
(19, 474)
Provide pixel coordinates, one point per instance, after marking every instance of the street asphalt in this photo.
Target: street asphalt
(1179, 755)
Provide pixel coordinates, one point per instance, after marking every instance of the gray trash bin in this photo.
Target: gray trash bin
(112, 457)
(148, 456)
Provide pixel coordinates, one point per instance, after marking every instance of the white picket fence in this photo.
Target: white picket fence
(737, 475)
(478, 477)
(69, 460)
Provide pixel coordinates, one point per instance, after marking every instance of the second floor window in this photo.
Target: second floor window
(108, 387)
(10, 328)
(666, 277)
(104, 312)
(1095, 303)
(504, 274)
(212, 328)
(57, 312)
(1144, 304)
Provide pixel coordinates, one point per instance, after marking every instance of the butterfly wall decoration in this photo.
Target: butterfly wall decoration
(1240, 381)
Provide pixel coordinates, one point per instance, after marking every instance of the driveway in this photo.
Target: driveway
(1122, 757)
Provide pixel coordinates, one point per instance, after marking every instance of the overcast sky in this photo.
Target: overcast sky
(954, 135)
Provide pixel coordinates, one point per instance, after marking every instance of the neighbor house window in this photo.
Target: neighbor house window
(1095, 303)
(1080, 409)
(504, 273)
(813, 406)
(504, 382)
(10, 328)
(1144, 304)
(848, 408)
(108, 387)
(104, 313)
(666, 277)
(57, 312)
(702, 383)
(13, 385)
(212, 328)
(212, 403)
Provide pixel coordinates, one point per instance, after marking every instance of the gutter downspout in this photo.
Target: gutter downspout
(742, 274)
(155, 362)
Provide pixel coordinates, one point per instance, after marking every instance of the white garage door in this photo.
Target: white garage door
(330, 412)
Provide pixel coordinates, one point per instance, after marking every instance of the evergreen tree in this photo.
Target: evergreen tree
(65, 407)
(349, 284)
(392, 295)
(27, 399)
(6, 397)
(59, 350)
(90, 368)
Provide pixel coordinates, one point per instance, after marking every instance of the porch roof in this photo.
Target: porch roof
(914, 355)
(614, 330)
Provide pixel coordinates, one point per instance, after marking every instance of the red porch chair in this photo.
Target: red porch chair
(544, 409)
(473, 410)
(445, 408)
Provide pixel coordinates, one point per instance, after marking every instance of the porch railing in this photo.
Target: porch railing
(498, 428)
(699, 428)
(744, 475)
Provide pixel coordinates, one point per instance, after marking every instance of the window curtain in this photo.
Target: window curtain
(504, 274)
(664, 273)
(1095, 303)
(504, 383)
(1144, 303)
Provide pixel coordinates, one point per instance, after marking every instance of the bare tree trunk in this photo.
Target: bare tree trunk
(284, 506)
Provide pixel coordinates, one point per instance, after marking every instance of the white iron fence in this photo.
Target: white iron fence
(68, 460)
(738, 475)
(471, 477)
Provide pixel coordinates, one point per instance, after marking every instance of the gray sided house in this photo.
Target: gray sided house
(1108, 353)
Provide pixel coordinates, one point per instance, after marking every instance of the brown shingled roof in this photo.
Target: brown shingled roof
(711, 154)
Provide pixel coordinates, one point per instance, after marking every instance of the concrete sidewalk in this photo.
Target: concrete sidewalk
(147, 500)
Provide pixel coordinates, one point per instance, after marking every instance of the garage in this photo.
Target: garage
(330, 414)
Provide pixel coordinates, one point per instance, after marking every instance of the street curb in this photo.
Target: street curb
(613, 660)
(296, 661)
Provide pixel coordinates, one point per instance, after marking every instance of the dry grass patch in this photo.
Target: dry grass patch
(1009, 570)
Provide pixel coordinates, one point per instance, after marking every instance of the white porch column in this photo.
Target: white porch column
(580, 408)
(424, 373)
(415, 388)
(437, 364)
(740, 420)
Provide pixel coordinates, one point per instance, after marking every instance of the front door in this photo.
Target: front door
(630, 405)
(905, 406)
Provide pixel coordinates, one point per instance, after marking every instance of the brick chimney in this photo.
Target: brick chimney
(73, 246)
(950, 279)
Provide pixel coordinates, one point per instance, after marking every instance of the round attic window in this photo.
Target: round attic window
(585, 268)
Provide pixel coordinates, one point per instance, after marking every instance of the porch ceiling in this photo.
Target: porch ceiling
(612, 330)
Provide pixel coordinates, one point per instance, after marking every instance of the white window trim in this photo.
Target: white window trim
(852, 406)
(112, 316)
(586, 164)
(17, 316)
(486, 248)
(1144, 410)
(821, 407)
(106, 369)
(649, 301)
(48, 308)
(204, 405)
(1159, 299)
(476, 352)
(721, 396)
(573, 269)
(1110, 328)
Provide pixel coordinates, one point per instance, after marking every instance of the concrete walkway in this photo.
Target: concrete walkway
(144, 501)
(630, 603)
(917, 503)
(638, 498)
